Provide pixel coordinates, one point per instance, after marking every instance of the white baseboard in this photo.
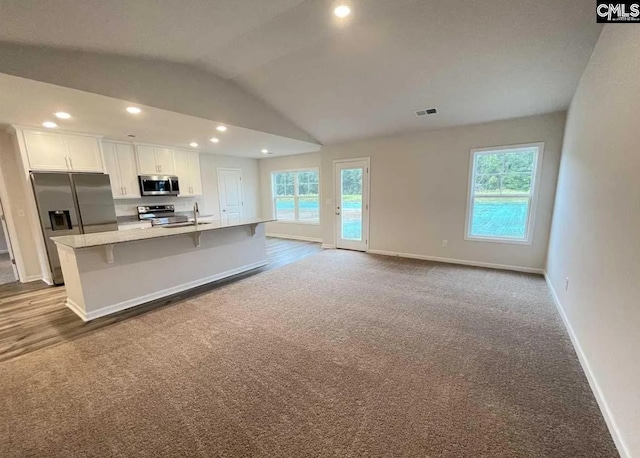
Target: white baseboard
(75, 308)
(593, 383)
(295, 237)
(459, 261)
(328, 246)
(92, 315)
(30, 278)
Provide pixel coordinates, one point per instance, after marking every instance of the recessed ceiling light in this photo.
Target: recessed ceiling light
(134, 110)
(62, 115)
(221, 128)
(265, 151)
(193, 144)
(342, 11)
(49, 124)
(214, 140)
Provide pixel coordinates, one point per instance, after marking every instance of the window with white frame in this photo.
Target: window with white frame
(503, 192)
(296, 196)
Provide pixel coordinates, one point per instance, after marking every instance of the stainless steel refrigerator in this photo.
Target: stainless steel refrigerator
(70, 204)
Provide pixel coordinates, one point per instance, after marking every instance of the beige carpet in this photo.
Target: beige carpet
(341, 354)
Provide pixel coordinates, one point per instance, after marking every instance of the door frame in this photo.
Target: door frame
(229, 169)
(366, 200)
(11, 233)
(8, 241)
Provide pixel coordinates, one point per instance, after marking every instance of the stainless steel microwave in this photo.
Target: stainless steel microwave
(159, 185)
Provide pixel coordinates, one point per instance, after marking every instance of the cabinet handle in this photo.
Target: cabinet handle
(120, 190)
(125, 190)
(66, 162)
(159, 168)
(70, 164)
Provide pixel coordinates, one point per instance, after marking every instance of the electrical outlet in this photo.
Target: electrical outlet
(445, 243)
(566, 283)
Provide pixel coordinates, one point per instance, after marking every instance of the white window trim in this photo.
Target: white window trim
(295, 187)
(535, 186)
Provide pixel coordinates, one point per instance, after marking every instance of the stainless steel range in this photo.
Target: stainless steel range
(161, 215)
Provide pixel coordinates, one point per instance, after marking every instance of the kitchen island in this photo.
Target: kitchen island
(107, 272)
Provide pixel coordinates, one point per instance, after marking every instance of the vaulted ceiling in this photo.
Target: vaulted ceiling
(338, 80)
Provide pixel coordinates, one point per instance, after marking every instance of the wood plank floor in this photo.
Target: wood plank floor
(33, 316)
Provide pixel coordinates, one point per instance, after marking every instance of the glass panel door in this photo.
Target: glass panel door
(352, 204)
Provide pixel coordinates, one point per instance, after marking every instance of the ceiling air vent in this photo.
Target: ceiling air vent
(428, 111)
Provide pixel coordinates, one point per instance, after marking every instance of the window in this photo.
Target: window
(296, 196)
(502, 193)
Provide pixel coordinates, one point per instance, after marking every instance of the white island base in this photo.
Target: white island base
(106, 273)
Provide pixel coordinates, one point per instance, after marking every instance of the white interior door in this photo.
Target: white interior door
(231, 195)
(352, 204)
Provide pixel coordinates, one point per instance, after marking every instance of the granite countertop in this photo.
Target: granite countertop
(112, 237)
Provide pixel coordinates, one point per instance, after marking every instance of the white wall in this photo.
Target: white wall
(419, 189)
(293, 230)
(594, 239)
(171, 86)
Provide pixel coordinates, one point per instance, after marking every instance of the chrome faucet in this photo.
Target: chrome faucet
(195, 214)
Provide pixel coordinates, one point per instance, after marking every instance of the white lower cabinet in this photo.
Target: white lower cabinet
(120, 164)
(187, 169)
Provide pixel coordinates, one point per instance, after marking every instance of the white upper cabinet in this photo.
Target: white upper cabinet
(83, 153)
(164, 159)
(128, 170)
(111, 167)
(154, 160)
(146, 160)
(45, 150)
(51, 151)
(193, 161)
(187, 169)
(120, 164)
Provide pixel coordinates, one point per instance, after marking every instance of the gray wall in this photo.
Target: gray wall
(171, 86)
(419, 186)
(594, 239)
